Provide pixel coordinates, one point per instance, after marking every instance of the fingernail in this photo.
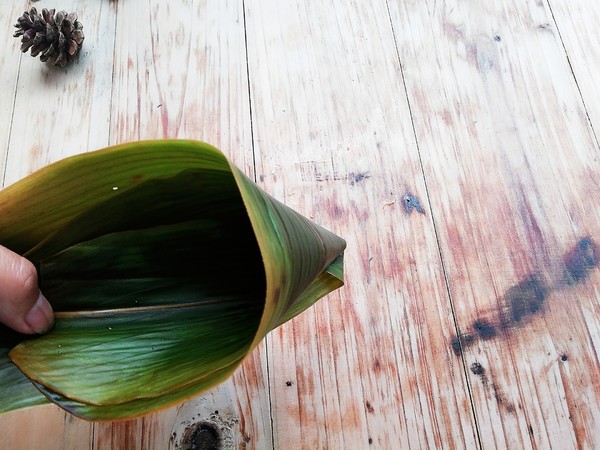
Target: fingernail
(40, 317)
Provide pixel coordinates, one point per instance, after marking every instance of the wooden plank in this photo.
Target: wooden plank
(180, 72)
(10, 59)
(369, 366)
(45, 427)
(575, 23)
(510, 165)
(59, 112)
(64, 111)
(512, 170)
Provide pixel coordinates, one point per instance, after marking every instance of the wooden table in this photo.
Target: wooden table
(454, 144)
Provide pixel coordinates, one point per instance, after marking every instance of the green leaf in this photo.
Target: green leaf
(137, 353)
(140, 406)
(166, 266)
(22, 393)
(158, 265)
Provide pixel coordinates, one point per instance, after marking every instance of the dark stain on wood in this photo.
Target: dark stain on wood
(369, 407)
(564, 357)
(484, 329)
(201, 436)
(459, 343)
(497, 38)
(411, 202)
(527, 298)
(519, 302)
(355, 178)
(580, 260)
(477, 368)
(456, 345)
(492, 389)
(288, 383)
(370, 441)
(524, 299)
(498, 394)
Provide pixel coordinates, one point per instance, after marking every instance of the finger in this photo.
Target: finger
(22, 305)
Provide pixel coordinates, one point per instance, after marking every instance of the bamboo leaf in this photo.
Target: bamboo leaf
(153, 266)
(166, 265)
(46, 200)
(21, 393)
(327, 281)
(140, 406)
(132, 354)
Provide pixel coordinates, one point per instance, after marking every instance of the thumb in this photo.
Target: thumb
(22, 306)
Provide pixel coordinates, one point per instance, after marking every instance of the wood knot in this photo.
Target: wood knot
(202, 436)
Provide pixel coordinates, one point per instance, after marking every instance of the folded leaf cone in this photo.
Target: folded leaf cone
(165, 266)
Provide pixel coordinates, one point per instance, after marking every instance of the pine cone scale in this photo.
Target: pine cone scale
(72, 48)
(77, 36)
(40, 45)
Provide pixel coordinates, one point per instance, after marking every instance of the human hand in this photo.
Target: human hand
(22, 306)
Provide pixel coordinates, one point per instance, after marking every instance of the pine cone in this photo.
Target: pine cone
(57, 38)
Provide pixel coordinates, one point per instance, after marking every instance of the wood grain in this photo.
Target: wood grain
(451, 143)
(511, 167)
(60, 112)
(44, 427)
(10, 59)
(182, 74)
(575, 23)
(370, 365)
